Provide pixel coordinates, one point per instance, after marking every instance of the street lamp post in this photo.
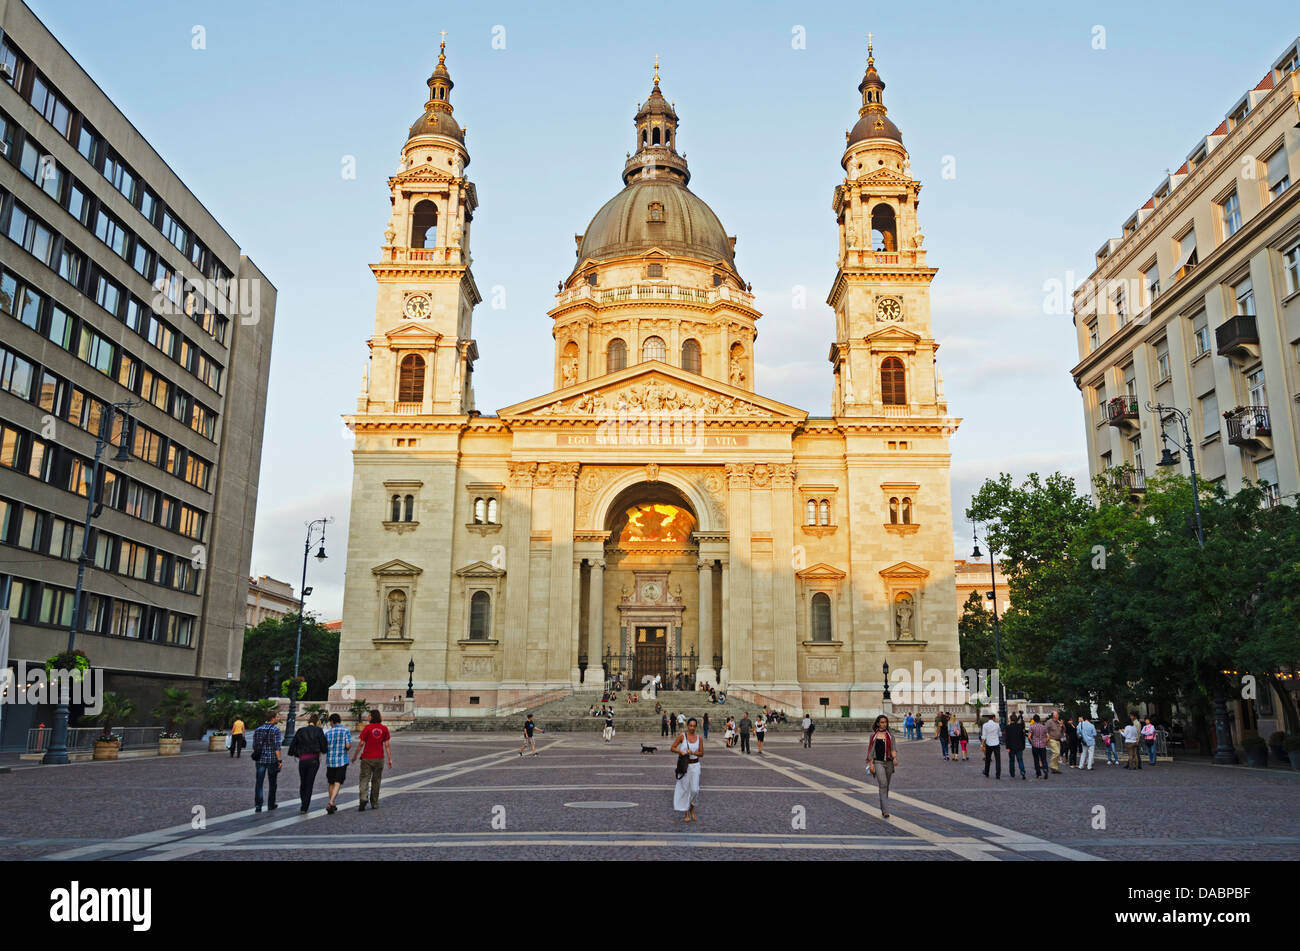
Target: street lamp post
(1224, 754)
(57, 754)
(997, 635)
(410, 682)
(302, 597)
(884, 668)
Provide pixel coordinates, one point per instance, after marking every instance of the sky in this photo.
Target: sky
(1035, 129)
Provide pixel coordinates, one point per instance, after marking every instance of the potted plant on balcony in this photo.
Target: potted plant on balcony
(114, 708)
(175, 706)
(1292, 746)
(1256, 750)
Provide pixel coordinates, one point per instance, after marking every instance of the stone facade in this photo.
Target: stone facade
(653, 512)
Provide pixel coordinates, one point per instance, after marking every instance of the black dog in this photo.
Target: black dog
(648, 749)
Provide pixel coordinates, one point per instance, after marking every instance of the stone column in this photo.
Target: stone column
(595, 676)
(575, 624)
(740, 608)
(784, 633)
(560, 640)
(724, 671)
(519, 518)
(706, 673)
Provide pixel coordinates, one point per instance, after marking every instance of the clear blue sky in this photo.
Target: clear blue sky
(1055, 143)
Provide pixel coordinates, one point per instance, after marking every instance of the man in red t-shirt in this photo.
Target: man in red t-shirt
(373, 749)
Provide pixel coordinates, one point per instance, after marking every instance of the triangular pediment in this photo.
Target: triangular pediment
(894, 333)
(820, 572)
(653, 387)
(396, 568)
(425, 173)
(886, 177)
(480, 569)
(904, 569)
(412, 331)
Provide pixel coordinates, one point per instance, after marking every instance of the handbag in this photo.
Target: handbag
(682, 763)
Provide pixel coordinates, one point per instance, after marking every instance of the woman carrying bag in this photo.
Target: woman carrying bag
(689, 748)
(882, 758)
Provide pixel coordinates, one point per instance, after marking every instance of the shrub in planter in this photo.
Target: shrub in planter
(176, 705)
(1292, 746)
(107, 745)
(217, 741)
(169, 743)
(1275, 741)
(1256, 751)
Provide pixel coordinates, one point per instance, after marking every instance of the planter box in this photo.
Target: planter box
(169, 747)
(216, 744)
(106, 750)
(1257, 758)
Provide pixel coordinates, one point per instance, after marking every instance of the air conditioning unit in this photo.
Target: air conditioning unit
(4, 149)
(6, 72)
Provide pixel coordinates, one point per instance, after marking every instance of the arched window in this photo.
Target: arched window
(907, 511)
(654, 139)
(691, 356)
(812, 512)
(480, 616)
(654, 348)
(410, 509)
(893, 382)
(397, 509)
(893, 511)
(824, 511)
(410, 379)
(480, 511)
(821, 616)
(884, 236)
(424, 225)
(615, 355)
(644, 137)
(492, 511)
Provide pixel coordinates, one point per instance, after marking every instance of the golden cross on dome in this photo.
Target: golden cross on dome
(870, 58)
(656, 69)
(442, 47)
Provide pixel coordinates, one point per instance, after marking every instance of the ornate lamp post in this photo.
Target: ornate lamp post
(57, 754)
(410, 683)
(997, 635)
(302, 597)
(884, 668)
(1224, 754)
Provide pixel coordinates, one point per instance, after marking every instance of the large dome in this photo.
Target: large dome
(629, 223)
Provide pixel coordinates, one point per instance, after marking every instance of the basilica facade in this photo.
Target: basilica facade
(653, 514)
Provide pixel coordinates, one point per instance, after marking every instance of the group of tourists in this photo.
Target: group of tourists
(737, 732)
(309, 744)
(673, 723)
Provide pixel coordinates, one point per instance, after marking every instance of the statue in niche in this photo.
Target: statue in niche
(737, 373)
(903, 618)
(569, 371)
(851, 238)
(396, 614)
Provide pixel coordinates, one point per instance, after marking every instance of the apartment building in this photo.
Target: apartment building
(1196, 305)
(118, 287)
(269, 598)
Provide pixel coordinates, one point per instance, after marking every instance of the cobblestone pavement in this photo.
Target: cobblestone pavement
(459, 796)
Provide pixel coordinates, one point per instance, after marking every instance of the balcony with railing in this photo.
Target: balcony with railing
(1235, 333)
(1248, 424)
(633, 293)
(1132, 480)
(1122, 410)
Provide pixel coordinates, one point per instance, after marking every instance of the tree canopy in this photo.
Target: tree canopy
(274, 639)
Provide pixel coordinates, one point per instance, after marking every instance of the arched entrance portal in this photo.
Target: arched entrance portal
(650, 587)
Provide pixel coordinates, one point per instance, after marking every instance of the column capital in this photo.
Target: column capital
(565, 473)
(521, 474)
(597, 563)
(739, 474)
(784, 474)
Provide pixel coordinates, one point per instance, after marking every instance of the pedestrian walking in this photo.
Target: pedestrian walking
(689, 749)
(706, 726)
(807, 725)
(339, 739)
(266, 755)
(1131, 736)
(882, 760)
(729, 733)
(237, 738)
(1115, 742)
(308, 746)
(608, 732)
(1087, 743)
(373, 748)
(941, 728)
(991, 744)
(1055, 733)
(760, 731)
(919, 724)
(1015, 743)
(1149, 738)
(1038, 747)
(663, 725)
(907, 726)
(529, 743)
(1072, 740)
(746, 726)
(954, 737)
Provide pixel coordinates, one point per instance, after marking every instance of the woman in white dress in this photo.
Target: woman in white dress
(730, 733)
(687, 790)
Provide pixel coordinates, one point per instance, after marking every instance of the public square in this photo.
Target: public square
(582, 798)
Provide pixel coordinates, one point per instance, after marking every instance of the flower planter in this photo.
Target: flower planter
(105, 749)
(1257, 756)
(217, 743)
(169, 747)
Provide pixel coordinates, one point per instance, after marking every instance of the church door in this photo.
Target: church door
(651, 654)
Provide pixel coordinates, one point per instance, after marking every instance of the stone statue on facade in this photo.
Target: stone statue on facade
(903, 619)
(396, 614)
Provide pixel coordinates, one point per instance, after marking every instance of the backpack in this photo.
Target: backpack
(259, 742)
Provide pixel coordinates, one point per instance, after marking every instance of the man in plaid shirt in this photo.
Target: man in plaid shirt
(339, 738)
(266, 754)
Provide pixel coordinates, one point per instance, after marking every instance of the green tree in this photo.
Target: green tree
(274, 639)
(975, 634)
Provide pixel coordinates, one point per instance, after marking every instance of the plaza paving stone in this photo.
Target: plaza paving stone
(441, 799)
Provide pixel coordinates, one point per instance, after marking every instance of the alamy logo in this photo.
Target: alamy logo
(77, 904)
(38, 685)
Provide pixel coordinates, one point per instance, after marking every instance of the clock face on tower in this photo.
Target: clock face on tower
(889, 309)
(417, 307)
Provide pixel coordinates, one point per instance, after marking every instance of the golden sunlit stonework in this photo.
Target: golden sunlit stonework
(653, 513)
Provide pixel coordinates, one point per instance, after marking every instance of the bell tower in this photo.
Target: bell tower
(422, 351)
(884, 351)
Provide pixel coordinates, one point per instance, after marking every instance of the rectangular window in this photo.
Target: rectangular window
(12, 65)
(174, 232)
(28, 311)
(1152, 281)
(1230, 215)
(1291, 268)
(108, 294)
(127, 619)
(88, 143)
(1257, 394)
(1245, 296)
(72, 264)
(1121, 305)
(96, 351)
(1277, 172)
(56, 606)
(50, 395)
(110, 231)
(1093, 339)
(140, 501)
(34, 237)
(61, 326)
(78, 204)
(1186, 255)
(1201, 331)
(47, 102)
(191, 523)
(1210, 421)
(16, 375)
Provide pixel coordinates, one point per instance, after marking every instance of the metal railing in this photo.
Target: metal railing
(678, 671)
(82, 739)
(1248, 423)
